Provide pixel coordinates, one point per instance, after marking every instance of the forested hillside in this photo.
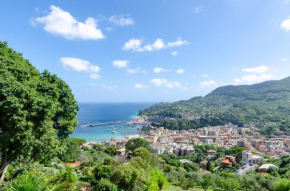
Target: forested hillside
(263, 102)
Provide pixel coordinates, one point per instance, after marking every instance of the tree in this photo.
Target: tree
(37, 111)
(102, 171)
(78, 141)
(230, 184)
(105, 185)
(111, 150)
(186, 183)
(133, 144)
(208, 166)
(205, 183)
(191, 167)
(143, 153)
(282, 185)
(71, 151)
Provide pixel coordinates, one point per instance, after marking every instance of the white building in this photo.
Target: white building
(250, 158)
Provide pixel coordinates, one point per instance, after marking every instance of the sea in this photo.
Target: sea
(105, 121)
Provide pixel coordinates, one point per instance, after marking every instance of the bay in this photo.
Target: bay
(94, 113)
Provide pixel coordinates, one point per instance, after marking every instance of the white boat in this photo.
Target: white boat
(114, 132)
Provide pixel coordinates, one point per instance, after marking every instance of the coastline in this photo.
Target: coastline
(97, 121)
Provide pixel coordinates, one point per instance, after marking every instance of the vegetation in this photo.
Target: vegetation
(37, 114)
(264, 102)
(37, 111)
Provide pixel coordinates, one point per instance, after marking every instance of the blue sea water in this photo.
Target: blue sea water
(92, 113)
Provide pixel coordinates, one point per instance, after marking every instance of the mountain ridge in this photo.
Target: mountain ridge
(266, 101)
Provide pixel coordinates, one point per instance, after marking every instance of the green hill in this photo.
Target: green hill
(263, 102)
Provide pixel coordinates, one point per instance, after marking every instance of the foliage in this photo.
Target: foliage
(37, 110)
(143, 153)
(263, 102)
(133, 144)
(105, 185)
(28, 182)
(71, 151)
(111, 150)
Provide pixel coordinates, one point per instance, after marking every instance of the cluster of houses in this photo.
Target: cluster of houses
(181, 142)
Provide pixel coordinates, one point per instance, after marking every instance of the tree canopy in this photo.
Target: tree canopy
(37, 110)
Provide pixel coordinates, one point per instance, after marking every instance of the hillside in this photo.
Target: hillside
(267, 101)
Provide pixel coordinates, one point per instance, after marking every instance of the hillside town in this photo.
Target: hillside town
(181, 143)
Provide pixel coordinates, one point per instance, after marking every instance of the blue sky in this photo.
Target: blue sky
(153, 50)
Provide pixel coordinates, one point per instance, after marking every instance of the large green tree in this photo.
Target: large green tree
(37, 111)
(135, 143)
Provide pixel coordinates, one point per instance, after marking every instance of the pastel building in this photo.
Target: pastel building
(250, 158)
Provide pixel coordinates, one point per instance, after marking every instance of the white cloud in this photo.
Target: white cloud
(79, 65)
(121, 20)
(95, 76)
(109, 87)
(104, 86)
(286, 24)
(158, 70)
(62, 23)
(205, 75)
(259, 69)
(178, 42)
(124, 64)
(136, 45)
(120, 63)
(197, 9)
(287, 1)
(174, 53)
(158, 82)
(133, 44)
(209, 83)
(250, 79)
(140, 86)
(135, 71)
(157, 45)
(283, 59)
(180, 71)
(164, 82)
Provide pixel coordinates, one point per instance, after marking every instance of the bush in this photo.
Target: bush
(105, 185)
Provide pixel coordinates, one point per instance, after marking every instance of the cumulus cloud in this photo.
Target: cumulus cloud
(122, 20)
(259, 69)
(124, 64)
(164, 82)
(180, 71)
(250, 79)
(140, 86)
(62, 23)
(206, 84)
(135, 71)
(80, 65)
(158, 70)
(286, 24)
(135, 45)
(174, 53)
(205, 75)
(120, 63)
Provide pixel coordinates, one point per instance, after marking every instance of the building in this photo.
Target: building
(228, 161)
(250, 158)
(265, 167)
